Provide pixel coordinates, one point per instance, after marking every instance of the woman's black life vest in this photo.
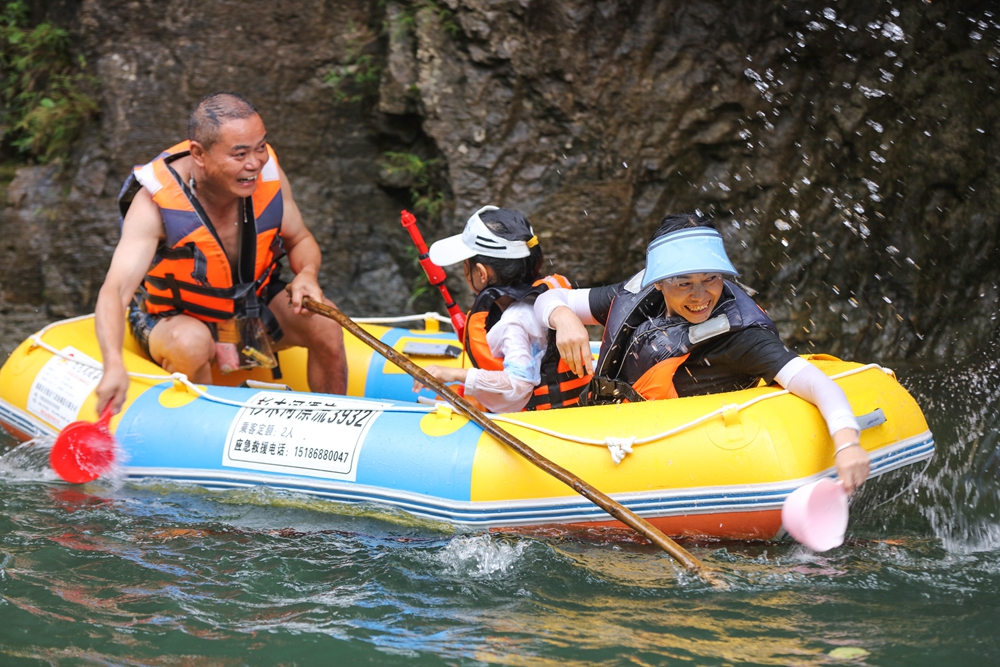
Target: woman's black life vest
(640, 342)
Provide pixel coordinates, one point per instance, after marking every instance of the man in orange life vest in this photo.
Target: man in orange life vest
(203, 227)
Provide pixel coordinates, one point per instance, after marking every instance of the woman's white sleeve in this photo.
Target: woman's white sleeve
(577, 300)
(806, 381)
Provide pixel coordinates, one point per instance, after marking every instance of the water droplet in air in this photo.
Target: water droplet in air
(893, 32)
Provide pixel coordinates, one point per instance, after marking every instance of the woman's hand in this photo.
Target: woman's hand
(572, 340)
(851, 459)
(444, 373)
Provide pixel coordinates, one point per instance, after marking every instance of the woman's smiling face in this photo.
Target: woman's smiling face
(692, 296)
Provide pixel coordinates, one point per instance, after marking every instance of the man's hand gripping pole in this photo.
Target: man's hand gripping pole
(435, 274)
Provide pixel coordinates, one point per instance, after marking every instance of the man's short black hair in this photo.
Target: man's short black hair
(213, 111)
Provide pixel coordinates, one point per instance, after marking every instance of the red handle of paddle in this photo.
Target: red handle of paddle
(105, 420)
(435, 274)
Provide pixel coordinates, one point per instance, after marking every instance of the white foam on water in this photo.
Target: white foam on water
(29, 461)
(481, 555)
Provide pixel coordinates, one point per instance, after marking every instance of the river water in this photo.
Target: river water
(124, 574)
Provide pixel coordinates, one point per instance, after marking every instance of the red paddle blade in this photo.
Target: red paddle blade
(83, 451)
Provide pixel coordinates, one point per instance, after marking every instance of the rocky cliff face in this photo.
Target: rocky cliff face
(847, 150)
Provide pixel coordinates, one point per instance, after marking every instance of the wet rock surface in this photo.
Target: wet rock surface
(848, 151)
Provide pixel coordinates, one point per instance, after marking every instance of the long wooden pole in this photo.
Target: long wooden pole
(605, 502)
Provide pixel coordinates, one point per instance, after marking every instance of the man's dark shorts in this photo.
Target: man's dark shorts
(142, 323)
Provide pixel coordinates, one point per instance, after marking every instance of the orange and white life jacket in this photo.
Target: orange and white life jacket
(191, 272)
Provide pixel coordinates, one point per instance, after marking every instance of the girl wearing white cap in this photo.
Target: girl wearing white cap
(517, 365)
(679, 328)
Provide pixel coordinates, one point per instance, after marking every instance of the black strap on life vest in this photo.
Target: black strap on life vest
(605, 391)
(556, 389)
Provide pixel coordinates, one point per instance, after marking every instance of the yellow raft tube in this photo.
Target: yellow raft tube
(715, 466)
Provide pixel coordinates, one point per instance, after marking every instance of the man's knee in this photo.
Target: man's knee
(324, 335)
(186, 342)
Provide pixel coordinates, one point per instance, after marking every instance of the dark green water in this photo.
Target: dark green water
(112, 574)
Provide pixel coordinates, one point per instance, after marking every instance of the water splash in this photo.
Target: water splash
(29, 461)
(959, 495)
(482, 555)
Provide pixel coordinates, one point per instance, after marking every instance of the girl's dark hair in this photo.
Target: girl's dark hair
(677, 221)
(512, 226)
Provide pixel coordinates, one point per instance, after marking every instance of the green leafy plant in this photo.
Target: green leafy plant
(45, 105)
(421, 286)
(423, 178)
(357, 78)
(445, 16)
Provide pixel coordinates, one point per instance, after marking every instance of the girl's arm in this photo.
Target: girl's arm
(806, 381)
(511, 340)
(497, 390)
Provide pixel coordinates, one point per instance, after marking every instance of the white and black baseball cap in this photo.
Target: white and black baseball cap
(478, 239)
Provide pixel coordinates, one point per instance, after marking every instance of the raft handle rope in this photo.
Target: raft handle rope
(179, 378)
(404, 318)
(618, 447)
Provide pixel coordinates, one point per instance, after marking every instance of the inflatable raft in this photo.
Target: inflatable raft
(715, 466)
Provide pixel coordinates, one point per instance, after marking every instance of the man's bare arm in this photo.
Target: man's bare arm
(304, 255)
(141, 233)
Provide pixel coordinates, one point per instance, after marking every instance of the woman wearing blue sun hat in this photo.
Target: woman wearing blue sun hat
(680, 328)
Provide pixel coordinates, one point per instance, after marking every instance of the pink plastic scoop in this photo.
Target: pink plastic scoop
(816, 514)
(84, 451)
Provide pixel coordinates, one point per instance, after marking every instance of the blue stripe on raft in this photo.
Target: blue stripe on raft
(397, 386)
(526, 512)
(396, 454)
(563, 509)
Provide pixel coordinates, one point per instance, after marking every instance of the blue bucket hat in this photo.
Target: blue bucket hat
(693, 250)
